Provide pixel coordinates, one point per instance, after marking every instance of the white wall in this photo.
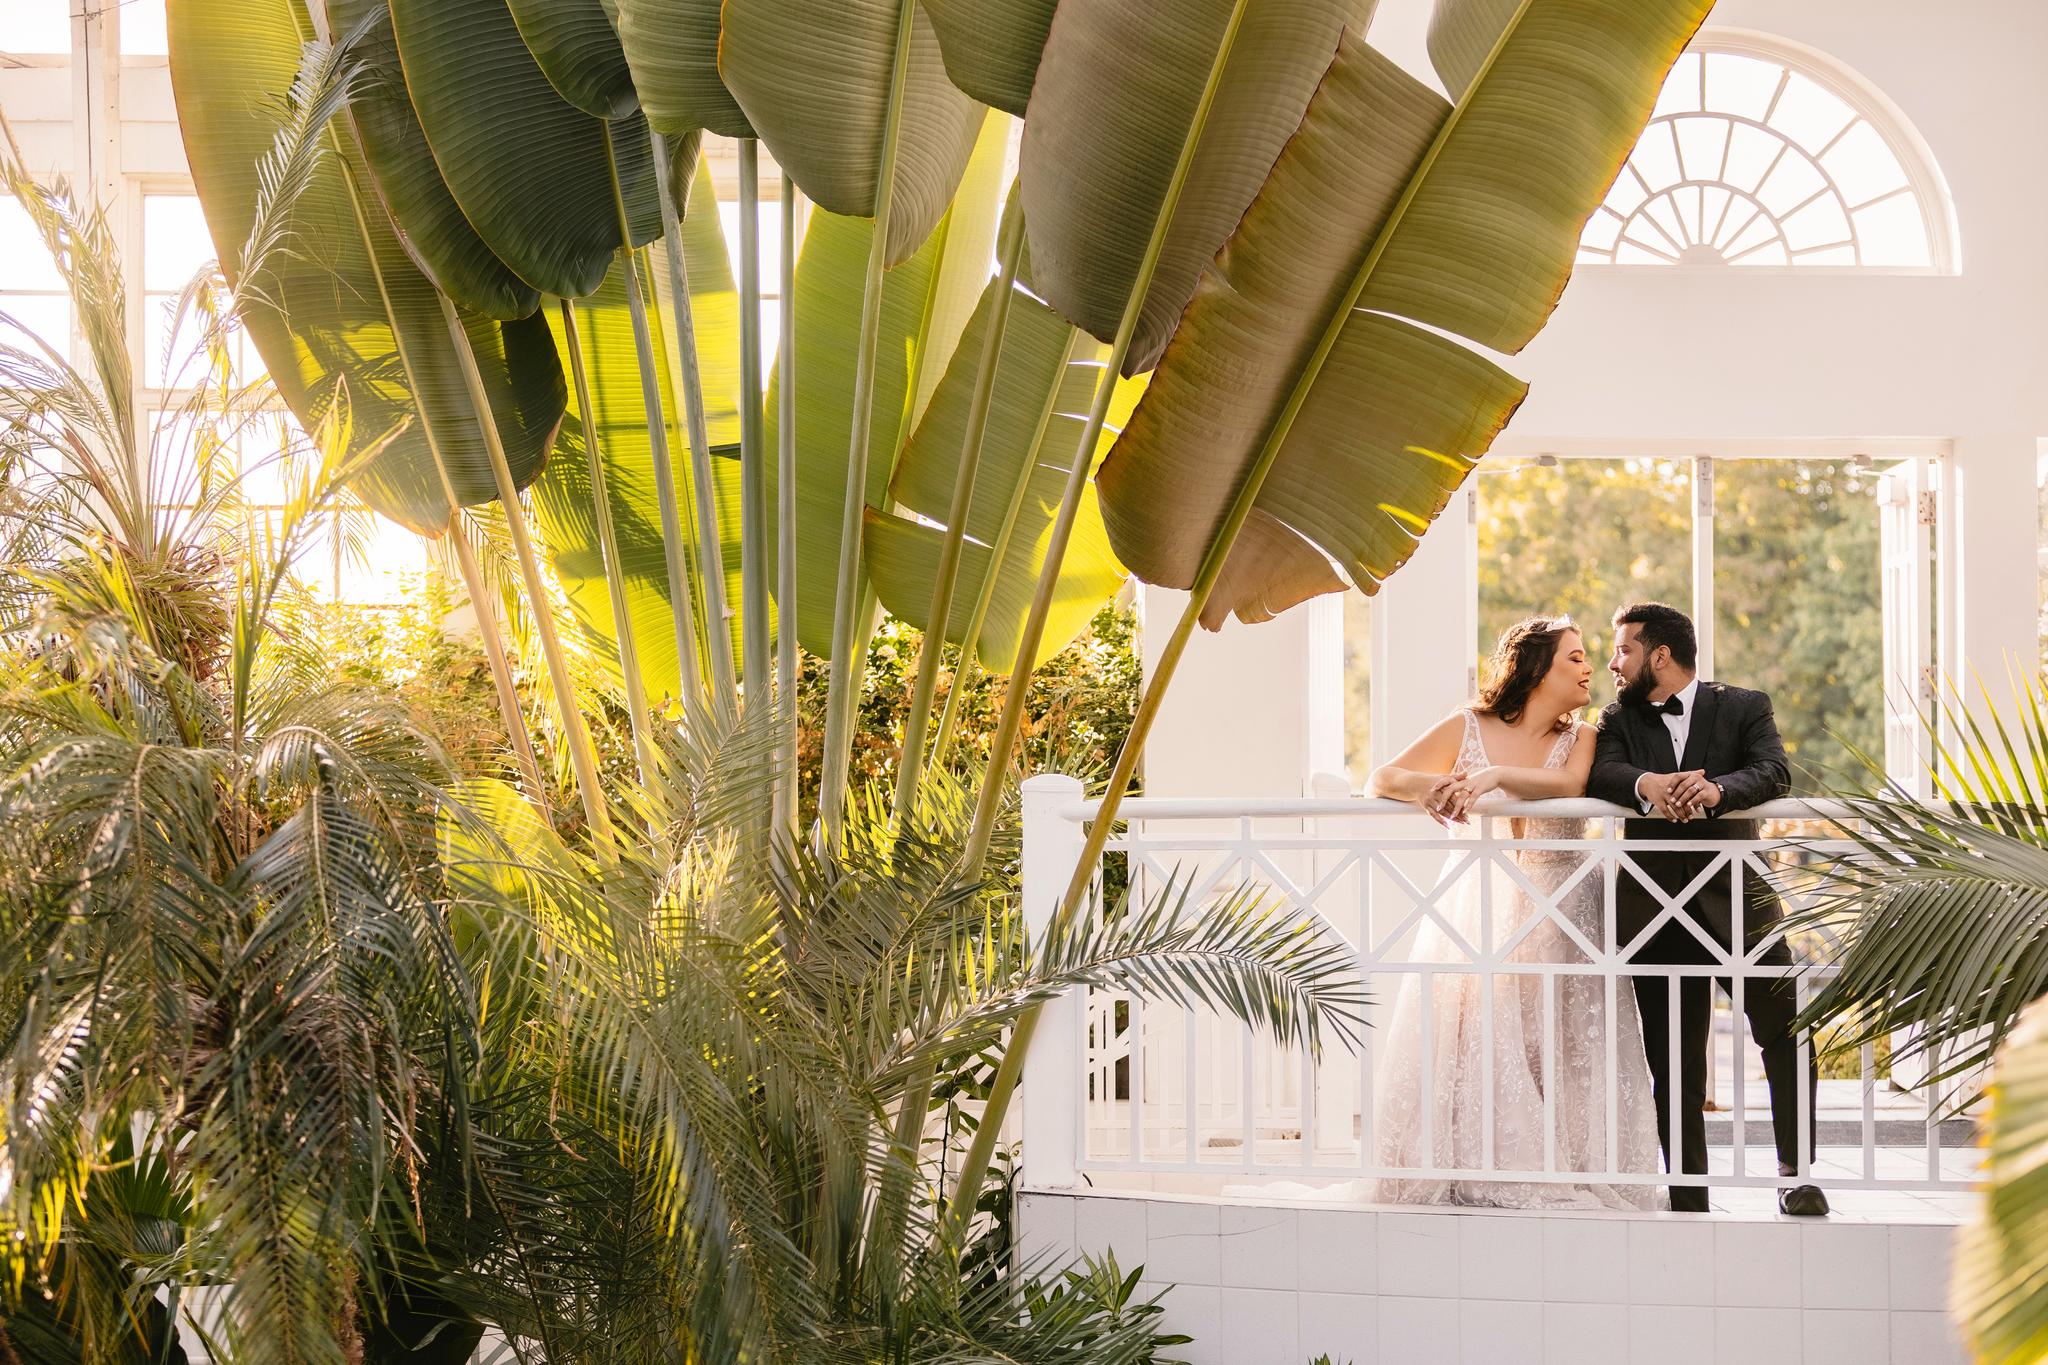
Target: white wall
(1277, 1283)
(1719, 356)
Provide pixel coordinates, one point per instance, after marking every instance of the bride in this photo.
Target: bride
(1519, 740)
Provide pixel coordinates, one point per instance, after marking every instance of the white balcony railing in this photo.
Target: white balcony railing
(1119, 1084)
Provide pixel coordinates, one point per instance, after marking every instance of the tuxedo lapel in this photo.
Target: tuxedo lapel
(1706, 707)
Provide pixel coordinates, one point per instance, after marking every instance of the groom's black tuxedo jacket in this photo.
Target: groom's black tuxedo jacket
(1734, 738)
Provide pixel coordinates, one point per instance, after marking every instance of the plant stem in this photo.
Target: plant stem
(998, 551)
(484, 604)
(689, 381)
(1011, 723)
(753, 467)
(681, 605)
(842, 701)
(910, 766)
(608, 544)
(786, 665)
(974, 1166)
(582, 753)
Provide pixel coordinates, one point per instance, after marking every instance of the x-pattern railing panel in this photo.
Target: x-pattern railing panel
(1203, 1096)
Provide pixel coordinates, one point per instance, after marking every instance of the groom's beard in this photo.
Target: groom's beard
(1636, 691)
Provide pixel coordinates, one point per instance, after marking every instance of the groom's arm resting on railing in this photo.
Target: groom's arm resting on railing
(1619, 782)
(1766, 773)
(1614, 779)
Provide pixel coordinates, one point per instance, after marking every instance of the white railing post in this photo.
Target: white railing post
(1053, 1070)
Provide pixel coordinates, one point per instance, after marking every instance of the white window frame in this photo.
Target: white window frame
(1911, 674)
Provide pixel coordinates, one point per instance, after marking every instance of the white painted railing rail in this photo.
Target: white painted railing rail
(1118, 1084)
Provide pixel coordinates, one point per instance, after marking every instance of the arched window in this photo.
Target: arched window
(1762, 153)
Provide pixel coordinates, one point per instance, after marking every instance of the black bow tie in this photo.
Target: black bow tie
(1670, 706)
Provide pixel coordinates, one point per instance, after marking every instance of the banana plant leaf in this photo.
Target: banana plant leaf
(1116, 90)
(430, 225)
(1999, 1258)
(528, 168)
(992, 47)
(672, 48)
(316, 312)
(563, 505)
(1461, 33)
(814, 82)
(577, 49)
(1038, 410)
(1387, 210)
(926, 303)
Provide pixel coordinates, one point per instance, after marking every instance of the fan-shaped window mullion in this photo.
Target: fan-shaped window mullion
(1763, 154)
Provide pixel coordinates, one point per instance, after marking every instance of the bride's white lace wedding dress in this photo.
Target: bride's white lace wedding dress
(1452, 1093)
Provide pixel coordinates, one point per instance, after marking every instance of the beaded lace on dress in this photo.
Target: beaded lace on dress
(1430, 1084)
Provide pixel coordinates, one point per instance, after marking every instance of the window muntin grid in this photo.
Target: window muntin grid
(1755, 157)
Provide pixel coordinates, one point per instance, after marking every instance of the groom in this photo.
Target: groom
(1684, 753)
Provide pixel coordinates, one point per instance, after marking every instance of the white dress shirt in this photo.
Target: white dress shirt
(1680, 727)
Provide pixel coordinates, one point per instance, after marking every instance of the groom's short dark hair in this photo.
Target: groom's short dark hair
(1662, 625)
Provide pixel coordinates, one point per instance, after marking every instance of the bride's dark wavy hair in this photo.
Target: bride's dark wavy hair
(1522, 655)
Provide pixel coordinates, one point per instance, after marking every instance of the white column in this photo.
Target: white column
(1051, 1094)
(1425, 625)
(1239, 717)
(1997, 533)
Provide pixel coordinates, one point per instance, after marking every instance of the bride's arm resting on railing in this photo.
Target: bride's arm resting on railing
(1526, 784)
(1421, 774)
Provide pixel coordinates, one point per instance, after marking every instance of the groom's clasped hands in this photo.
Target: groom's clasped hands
(1680, 797)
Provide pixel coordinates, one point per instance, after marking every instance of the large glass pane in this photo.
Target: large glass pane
(35, 27)
(142, 29)
(175, 242)
(1581, 538)
(1798, 605)
(24, 258)
(45, 317)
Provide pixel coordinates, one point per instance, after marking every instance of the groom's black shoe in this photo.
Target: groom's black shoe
(1803, 1201)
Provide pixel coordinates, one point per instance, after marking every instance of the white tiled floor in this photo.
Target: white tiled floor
(1267, 1284)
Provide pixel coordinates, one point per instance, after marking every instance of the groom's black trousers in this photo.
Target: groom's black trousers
(1770, 1003)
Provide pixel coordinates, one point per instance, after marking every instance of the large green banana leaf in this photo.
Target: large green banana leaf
(528, 168)
(1387, 210)
(672, 48)
(1461, 33)
(926, 303)
(991, 47)
(563, 504)
(315, 311)
(814, 81)
(1038, 410)
(1116, 91)
(1999, 1258)
(430, 224)
(577, 49)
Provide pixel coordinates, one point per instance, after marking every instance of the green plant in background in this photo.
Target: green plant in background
(672, 1073)
(326, 1043)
